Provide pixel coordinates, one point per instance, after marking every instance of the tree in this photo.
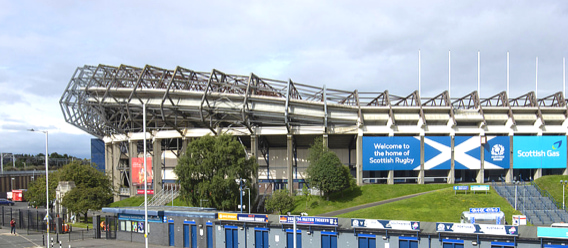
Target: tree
(93, 188)
(280, 201)
(36, 190)
(211, 169)
(316, 150)
(326, 172)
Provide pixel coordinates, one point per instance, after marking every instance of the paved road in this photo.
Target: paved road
(372, 204)
(20, 240)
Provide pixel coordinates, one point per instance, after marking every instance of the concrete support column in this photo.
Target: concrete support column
(509, 176)
(359, 151)
(481, 173)
(390, 178)
(452, 172)
(108, 161)
(157, 165)
(421, 173)
(326, 141)
(184, 144)
(537, 174)
(115, 174)
(254, 154)
(132, 153)
(290, 162)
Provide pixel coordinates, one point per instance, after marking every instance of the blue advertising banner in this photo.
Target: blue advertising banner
(497, 152)
(467, 153)
(484, 210)
(308, 220)
(391, 153)
(552, 232)
(437, 153)
(477, 229)
(480, 187)
(151, 218)
(386, 224)
(461, 187)
(243, 217)
(534, 152)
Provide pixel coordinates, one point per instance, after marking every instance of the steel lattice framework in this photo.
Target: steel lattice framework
(107, 100)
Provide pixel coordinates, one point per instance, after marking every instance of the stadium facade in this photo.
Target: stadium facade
(383, 138)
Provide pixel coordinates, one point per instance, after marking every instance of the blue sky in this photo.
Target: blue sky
(364, 45)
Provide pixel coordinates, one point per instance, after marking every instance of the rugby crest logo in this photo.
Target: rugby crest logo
(497, 152)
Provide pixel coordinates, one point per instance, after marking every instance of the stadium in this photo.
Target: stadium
(383, 138)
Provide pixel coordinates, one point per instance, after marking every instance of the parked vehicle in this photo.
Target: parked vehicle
(6, 202)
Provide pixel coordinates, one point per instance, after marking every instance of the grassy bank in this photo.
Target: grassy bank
(439, 206)
(362, 195)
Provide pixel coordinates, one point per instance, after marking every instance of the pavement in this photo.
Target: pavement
(21, 239)
(372, 204)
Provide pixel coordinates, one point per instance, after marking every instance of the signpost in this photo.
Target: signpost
(480, 188)
(462, 188)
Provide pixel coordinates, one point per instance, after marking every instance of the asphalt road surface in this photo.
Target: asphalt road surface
(21, 239)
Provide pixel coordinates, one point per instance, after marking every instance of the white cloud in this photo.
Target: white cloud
(364, 45)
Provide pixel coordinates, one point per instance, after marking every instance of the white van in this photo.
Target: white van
(483, 218)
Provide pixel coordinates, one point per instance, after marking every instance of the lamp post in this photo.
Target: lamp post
(12, 185)
(516, 184)
(563, 183)
(241, 193)
(46, 177)
(145, 177)
(249, 197)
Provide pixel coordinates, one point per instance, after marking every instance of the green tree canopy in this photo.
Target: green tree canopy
(36, 190)
(326, 172)
(280, 201)
(210, 170)
(93, 188)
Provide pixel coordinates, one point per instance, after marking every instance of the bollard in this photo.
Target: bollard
(59, 243)
(52, 242)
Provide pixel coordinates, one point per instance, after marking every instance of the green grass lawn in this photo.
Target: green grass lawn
(553, 186)
(362, 195)
(138, 200)
(134, 201)
(439, 206)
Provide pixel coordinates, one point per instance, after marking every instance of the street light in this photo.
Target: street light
(249, 197)
(563, 183)
(46, 177)
(516, 184)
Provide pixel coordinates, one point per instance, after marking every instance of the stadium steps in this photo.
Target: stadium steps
(536, 204)
(162, 197)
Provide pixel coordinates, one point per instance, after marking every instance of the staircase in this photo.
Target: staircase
(163, 197)
(537, 204)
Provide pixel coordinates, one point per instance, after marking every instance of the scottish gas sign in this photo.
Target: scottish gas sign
(391, 153)
(534, 152)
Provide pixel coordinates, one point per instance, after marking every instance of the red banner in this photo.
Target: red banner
(141, 192)
(138, 171)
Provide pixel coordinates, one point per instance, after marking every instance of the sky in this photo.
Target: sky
(371, 46)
